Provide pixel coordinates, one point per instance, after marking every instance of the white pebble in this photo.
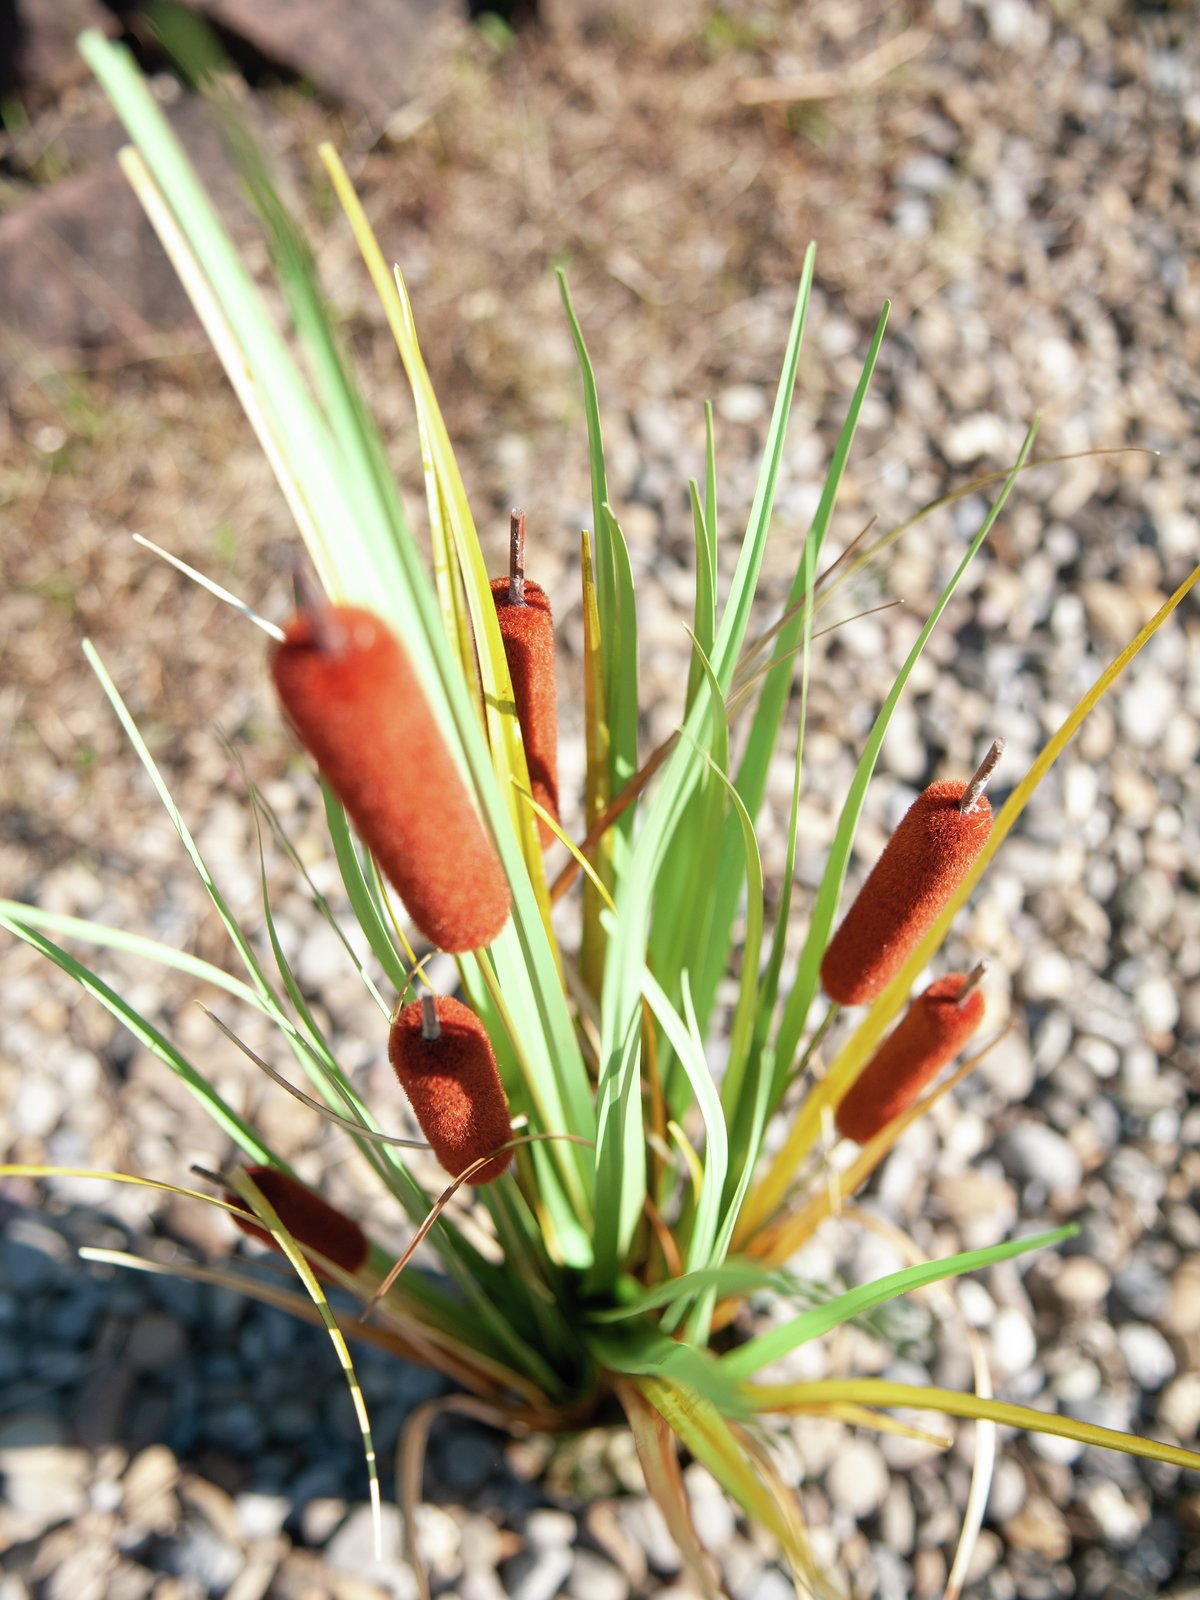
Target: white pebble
(858, 1478)
(1157, 1004)
(1118, 1519)
(1147, 1354)
(36, 1108)
(1014, 1344)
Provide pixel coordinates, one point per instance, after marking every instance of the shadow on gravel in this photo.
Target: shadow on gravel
(202, 1420)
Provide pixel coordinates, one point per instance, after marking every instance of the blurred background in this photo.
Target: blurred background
(1022, 179)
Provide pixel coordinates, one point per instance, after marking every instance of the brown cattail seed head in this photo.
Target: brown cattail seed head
(453, 1085)
(527, 630)
(933, 1030)
(923, 863)
(349, 688)
(311, 1221)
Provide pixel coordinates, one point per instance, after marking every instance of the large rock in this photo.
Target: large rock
(42, 60)
(374, 55)
(81, 270)
(82, 274)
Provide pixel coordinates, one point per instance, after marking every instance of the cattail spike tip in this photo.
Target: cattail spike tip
(516, 558)
(982, 777)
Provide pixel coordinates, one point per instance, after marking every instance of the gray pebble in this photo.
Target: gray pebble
(1037, 1154)
(25, 1270)
(1141, 1287)
(198, 1554)
(155, 1341)
(1080, 1380)
(240, 1427)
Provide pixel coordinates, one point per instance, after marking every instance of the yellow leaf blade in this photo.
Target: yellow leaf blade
(798, 1397)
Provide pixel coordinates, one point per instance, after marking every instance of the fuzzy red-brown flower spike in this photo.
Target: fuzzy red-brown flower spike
(351, 693)
(311, 1221)
(440, 1051)
(527, 631)
(923, 863)
(933, 1030)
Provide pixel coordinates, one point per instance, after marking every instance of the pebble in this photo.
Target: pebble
(1147, 1354)
(1081, 1282)
(769, 1584)
(1008, 1490)
(743, 402)
(352, 1550)
(201, 1557)
(262, 1516)
(1080, 1380)
(320, 1517)
(643, 1522)
(1040, 1527)
(1055, 1447)
(45, 1483)
(1038, 1155)
(593, 1578)
(1013, 1342)
(537, 1573)
(155, 1341)
(547, 1529)
(37, 1107)
(712, 1510)
(1183, 1312)
(897, 1521)
(858, 1478)
(1118, 1520)
(1179, 1406)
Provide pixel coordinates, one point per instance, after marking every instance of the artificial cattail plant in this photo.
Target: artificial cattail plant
(630, 1201)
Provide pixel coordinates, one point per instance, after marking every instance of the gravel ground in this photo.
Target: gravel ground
(1026, 188)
